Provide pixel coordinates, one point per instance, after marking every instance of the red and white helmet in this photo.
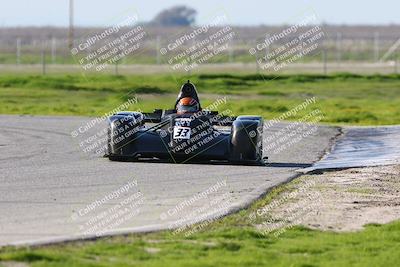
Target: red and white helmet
(187, 105)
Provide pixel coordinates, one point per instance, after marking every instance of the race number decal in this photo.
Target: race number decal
(182, 128)
(181, 132)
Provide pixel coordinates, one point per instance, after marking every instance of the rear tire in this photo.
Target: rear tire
(246, 140)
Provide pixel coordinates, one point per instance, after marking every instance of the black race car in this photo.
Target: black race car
(186, 133)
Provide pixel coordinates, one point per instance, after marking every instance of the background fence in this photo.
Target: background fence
(341, 44)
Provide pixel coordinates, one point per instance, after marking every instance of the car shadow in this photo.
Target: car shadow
(216, 162)
(288, 165)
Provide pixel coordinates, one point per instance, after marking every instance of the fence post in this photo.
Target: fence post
(116, 67)
(267, 47)
(397, 62)
(338, 47)
(256, 57)
(43, 59)
(18, 51)
(324, 58)
(158, 47)
(230, 51)
(376, 46)
(53, 50)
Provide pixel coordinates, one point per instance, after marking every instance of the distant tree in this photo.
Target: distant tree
(175, 16)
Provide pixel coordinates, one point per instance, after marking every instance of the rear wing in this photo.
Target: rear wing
(224, 121)
(154, 117)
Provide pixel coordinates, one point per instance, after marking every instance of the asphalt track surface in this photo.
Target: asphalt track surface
(49, 186)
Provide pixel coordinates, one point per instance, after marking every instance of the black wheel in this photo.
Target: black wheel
(246, 140)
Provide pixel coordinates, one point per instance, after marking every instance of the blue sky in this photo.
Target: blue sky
(240, 12)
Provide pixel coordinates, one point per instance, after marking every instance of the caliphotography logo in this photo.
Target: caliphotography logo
(199, 133)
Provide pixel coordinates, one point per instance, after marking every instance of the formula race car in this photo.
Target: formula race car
(186, 133)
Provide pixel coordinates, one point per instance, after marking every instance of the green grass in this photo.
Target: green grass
(343, 98)
(231, 241)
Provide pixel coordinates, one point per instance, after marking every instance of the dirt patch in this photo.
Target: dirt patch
(13, 264)
(340, 201)
(152, 250)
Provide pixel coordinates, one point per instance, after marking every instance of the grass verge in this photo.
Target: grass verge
(343, 98)
(231, 241)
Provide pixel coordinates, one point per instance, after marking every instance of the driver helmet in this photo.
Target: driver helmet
(187, 105)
